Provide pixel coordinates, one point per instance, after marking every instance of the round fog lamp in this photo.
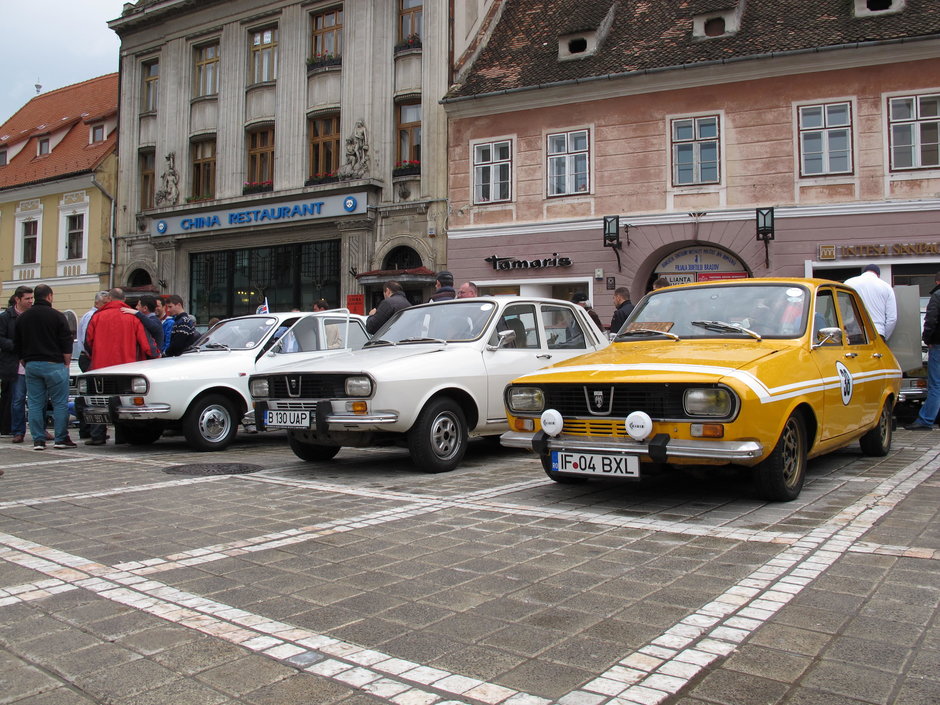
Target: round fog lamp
(639, 425)
(552, 422)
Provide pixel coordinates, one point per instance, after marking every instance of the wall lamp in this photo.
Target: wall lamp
(765, 230)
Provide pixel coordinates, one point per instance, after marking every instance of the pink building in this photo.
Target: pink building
(681, 119)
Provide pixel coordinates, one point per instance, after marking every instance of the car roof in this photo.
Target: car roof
(284, 315)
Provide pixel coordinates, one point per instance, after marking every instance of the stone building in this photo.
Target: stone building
(58, 171)
(674, 122)
(287, 150)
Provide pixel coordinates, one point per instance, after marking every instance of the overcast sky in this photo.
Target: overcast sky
(58, 42)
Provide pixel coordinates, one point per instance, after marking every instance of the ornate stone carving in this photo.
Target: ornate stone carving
(357, 153)
(74, 198)
(169, 195)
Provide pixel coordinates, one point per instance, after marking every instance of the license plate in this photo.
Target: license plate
(287, 419)
(92, 417)
(596, 464)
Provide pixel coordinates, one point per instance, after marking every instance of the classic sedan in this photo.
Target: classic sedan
(762, 373)
(430, 378)
(204, 391)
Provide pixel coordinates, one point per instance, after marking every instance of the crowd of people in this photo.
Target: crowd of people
(36, 347)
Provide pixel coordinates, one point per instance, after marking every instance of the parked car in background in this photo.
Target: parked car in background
(761, 373)
(430, 378)
(204, 391)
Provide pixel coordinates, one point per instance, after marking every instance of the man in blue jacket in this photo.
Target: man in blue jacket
(931, 337)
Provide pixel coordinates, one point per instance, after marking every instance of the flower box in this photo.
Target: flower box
(257, 187)
(412, 41)
(318, 179)
(320, 61)
(406, 168)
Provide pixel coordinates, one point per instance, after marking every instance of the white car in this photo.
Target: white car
(430, 378)
(204, 391)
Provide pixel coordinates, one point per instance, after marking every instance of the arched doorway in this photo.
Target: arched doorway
(698, 263)
(401, 257)
(139, 277)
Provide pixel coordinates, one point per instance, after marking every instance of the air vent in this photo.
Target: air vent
(577, 46)
(875, 8)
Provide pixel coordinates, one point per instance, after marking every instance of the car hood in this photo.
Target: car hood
(662, 360)
(292, 361)
(371, 360)
(209, 363)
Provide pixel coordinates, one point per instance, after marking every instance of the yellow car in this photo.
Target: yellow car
(763, 373)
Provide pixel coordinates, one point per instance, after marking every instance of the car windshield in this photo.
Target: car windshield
(238, 334)
(315, 333)
(730, 311)
(453, 321)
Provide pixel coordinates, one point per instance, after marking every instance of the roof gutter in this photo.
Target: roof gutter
(697, 65)
(113, 234)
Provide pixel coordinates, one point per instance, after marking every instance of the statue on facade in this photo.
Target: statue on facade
(169, 194)
(357, 153)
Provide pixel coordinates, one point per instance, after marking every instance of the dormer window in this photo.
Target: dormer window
(720, 21)
(873, 8)
(43, 147)
(577, 46)
(3, 157)
(97, 133)
(714, 27)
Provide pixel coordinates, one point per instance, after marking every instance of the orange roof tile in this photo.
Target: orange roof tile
(65, 110)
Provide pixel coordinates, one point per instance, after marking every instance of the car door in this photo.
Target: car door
(849, 400)
(506, 360)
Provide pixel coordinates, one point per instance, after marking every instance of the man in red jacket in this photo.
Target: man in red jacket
(113, 339)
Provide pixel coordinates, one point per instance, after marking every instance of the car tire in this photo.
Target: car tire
(210, 423)
(560, 479)
(438, 439)
(138, 434)
(312, 452)
(877, 442)
(780, 476)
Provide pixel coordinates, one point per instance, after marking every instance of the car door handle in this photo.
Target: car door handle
(851, 354)
(543, 356)
(877, 355)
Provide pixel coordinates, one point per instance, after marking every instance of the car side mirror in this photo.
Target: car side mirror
(827, 335)
(505, 338)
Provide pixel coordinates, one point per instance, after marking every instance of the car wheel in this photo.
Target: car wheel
(560, 479)
(311, 452)
(210, 423)
(780, 476)
(138, 434)
(438, 440)
(877, 442)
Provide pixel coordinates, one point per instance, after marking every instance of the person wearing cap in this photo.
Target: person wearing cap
(581, 299)
(878, 297)
(443, 287)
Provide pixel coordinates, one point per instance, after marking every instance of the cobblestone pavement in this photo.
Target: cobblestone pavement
(125, 577)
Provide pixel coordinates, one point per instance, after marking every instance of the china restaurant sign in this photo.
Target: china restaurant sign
(286, 212)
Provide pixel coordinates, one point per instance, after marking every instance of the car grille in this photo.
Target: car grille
(306, 386)
(104, 384)
(583, 427)
(287, 405)
(660, 401)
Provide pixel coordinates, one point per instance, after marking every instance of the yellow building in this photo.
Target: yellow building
(58, 169)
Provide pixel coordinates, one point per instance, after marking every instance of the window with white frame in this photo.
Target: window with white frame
(492, 171)
(97, 133)
(150, 73)
(264, 55)
(206, 74)
(29, 243)
(42, 147)
(75, 236)
(695, 152)
(915, 132)
(825, 139)
(569, 158)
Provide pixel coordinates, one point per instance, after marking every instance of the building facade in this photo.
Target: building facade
(284, 151)
(58, 172)
(673, 123)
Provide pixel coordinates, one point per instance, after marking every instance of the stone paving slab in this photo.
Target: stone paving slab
(366, 581)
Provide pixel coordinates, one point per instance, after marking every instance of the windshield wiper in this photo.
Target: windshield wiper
(376, 342)
(421, 340)
(216, 346)
(646, 331)
(727, 328)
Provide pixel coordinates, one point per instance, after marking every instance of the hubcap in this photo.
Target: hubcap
(214, 423)
(445, 436)
(791, 454)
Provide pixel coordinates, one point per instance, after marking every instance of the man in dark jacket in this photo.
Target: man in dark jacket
(114, 339)
(444, 287)
(43, 341)
(146, 314)
(183, 333)
(395, 300)
(931, 337)
(623, 308)
(12, 381)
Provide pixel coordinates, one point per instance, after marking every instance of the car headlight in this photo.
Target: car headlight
(139, 385)
(526, 400)
(82, 385)
(709, 401)
(258, 387)
(358, 386)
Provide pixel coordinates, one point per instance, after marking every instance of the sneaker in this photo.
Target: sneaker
(67, 443)
(18, 438)
(39, 445)
(919, 425)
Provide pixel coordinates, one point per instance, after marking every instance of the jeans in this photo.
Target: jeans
(45, 382)
(931, 406)
(18, 407)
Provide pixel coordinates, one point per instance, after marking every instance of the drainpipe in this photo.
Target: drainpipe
(112, 236)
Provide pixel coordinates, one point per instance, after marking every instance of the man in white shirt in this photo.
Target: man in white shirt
(878, 297)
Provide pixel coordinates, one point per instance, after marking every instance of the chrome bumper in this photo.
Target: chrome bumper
(730, 451)
(131, 412)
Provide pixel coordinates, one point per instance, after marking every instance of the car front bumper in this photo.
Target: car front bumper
(115, 408)
(322, 416)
